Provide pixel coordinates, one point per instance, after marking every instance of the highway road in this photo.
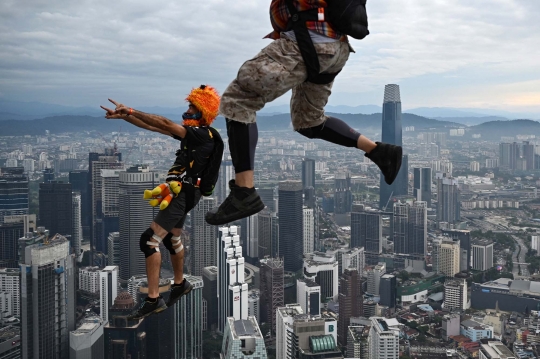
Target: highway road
(521, 259)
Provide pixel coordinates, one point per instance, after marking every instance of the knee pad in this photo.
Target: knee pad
(171, 241)
(147, 246)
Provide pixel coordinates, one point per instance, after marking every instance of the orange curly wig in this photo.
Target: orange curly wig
(206, 99)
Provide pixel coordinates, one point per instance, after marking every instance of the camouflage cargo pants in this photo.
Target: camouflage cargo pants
(277, 69)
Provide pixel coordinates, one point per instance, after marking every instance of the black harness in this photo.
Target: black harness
(297, 23)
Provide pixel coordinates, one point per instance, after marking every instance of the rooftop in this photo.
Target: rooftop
(244, 328)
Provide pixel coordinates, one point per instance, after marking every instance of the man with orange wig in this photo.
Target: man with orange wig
(196, 147)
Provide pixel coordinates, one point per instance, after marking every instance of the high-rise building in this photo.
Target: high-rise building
(243, 339)
(387, 290)
(268, 226)
(272, 289)
(308, 295)
(79, 183)
(210, 290)
(56, 208)
(203, 248)
(374, 276)
(10, 342)
(291, 228)
(109, 206)
(410, 228)
(366, 230)
(482, 254)
(308, 173)
(323, 268)
(10, 284)
(448, 199)
(48, 175)
(350, 302)
(464, 239)
(13, 228)
(254, 304)
(47, 299)
(77, 231)
(87, 341)
(517, 156)
(268, 196)
(249, 237)
(384, 338)
(108, 290)
(422, 184)
(455, 294)
(110, 159)
(232, 290)
(391, 133)
(89, 279)
(113, 256)
(342, 193)
(135, 217)
(226, 173)
(309, 230)
(188, 313)
(13, 192)
(445, 257)
(357, 341)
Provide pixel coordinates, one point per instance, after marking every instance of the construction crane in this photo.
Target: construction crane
(389, 198)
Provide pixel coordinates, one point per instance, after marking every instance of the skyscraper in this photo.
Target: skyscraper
(350, 302)
(249, 236)
(188, 313)
(342, 193)
(10, 283)
(422, 184)
(366, 231)
(309, 231)
(269, 198)
(384, 339)
(13, 192)
(482, 254)
(308, 173)
(374, 276)
(226, 173)
(455, 294)
(464, 239)
(410, 228)
(291, 228)
(113, 242)
(388, 291)
(87, 341)
(77, 231)
(13, 228)
(323, 268)
(203, 248)
(135, 217)
(391, 133)
(56, 208)
(448, 199)
(108, 290)
(272, 289)
(79, 183)
(242, 337)
(268, 225)
(308, 295)
(47, 299)
(109, 206)
(232, 290)
(446, 257)
(210, 290)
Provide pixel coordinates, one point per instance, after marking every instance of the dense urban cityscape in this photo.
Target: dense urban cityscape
(443, 263)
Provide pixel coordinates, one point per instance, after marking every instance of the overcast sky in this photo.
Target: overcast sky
(460, 53)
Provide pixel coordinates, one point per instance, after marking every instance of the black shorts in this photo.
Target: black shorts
(175, 214)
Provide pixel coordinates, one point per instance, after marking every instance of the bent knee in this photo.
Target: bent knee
(149, 243)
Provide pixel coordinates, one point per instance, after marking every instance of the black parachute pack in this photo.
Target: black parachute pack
(346, 16)
(210, 174)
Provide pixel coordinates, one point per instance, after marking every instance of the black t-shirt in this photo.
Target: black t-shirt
(193, 155)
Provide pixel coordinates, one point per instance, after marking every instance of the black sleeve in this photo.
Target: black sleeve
(198, 135)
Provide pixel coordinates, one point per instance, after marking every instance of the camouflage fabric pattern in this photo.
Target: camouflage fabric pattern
(277, 69)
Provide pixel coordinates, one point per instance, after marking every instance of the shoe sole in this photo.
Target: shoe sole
(214, 222)
(397, 167)
(158, 310)
(180, 297)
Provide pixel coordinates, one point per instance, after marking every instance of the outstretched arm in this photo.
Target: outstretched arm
(111, 114)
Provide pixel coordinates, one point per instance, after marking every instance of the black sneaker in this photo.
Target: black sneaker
(388, 158)
(147, 308)
(178, 291)
(234, 207)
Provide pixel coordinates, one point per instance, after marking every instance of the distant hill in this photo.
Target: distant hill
(494, 130)
(471, 121)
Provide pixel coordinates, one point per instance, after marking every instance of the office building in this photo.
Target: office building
(249, 238)
(108, 290)
(309, 230)
(210, 290)
(391, 133)
(226, 174)
(254, 304)
(272, 289)
(291, 228)
(448, 199)
(203, 248)
(77, 231)
(350, 302)
(388, 290)
(268, 233)
(358, 341)
(89, 279)
(410, 228)
(113, 242)
(308, 295)
(87, 341)
(464, 239)
(47, 315)
(56, 208)
(188, 313)
(323, 268)
(384, 338)
(342, 193)
(353, 258)
(134, 283)
(268, 196)
(482, 254)
(79, 183)
(455, 295)
(445, 257)
(308, 173)
(109, 206)
(366, 230)
(13, 228)
(422, 184)
(10, 284)
(13, 192)
(135, 217)
(232, 290)
(374, 278)
(243, 339)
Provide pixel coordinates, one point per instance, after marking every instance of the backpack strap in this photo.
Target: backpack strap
(297, 23)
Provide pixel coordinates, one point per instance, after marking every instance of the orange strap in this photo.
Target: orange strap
(321, 14)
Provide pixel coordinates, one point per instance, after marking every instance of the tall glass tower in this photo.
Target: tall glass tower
(391, 133)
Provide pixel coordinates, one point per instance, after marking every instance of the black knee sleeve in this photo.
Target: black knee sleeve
(143, 243)
(168, 244)
(333, 130)
(242, 142)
